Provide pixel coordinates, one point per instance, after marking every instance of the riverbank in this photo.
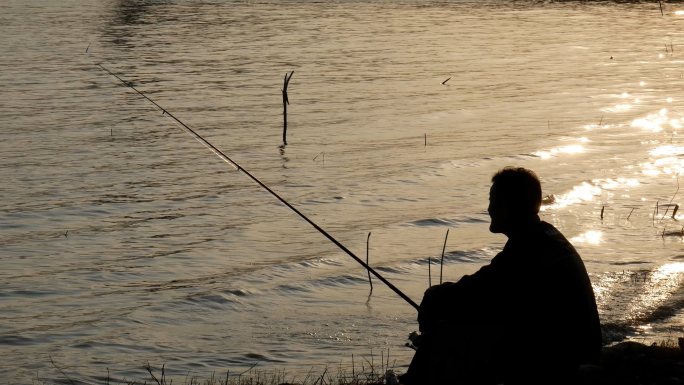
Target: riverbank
(627, 363)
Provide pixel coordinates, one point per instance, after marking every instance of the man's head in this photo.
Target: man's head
(514, 198)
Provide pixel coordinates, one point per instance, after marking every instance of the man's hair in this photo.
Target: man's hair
(520, 187)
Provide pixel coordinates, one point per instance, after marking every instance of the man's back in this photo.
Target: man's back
(535, 296)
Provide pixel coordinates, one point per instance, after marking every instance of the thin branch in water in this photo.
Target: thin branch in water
(429, 272)
(601, 121)
(441, 264)
(251, 367)
(149, 369)
(630, 214)
(673, 197)
(286, 102)
(661, 8)
(60, 370)
(602, 208)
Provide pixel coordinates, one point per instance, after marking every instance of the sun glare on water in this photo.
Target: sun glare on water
(591, 237)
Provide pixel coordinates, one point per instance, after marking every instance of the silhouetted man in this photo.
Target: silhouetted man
(529, 317)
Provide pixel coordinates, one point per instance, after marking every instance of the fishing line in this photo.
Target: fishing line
(228, 160)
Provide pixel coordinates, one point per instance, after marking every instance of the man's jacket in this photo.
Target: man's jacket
(535, 294)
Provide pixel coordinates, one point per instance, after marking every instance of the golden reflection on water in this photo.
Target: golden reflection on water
(660, 284)
(590, 237)
(587, 191)
(572, 149)
(652, 122)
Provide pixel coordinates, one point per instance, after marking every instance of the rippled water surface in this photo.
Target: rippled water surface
(124, 241)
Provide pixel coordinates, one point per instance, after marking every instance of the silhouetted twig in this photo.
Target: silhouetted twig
(673, 197)
(444, 82)
(661, 8)
(60, 370)
(630, 214)
(286, 102)
(441, 264)
(367, 263)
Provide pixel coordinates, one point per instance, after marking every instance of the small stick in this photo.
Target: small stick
(673, 197)
(252, 367)
(441, 264)
(286, 102)
(429, 273)
(369, 277)
(444, 82)
(655, 212)
(149, 369)
(388, 355)
(601, 121)
(675, 211)
(630, 214)
(426, 139)
(661, 8)
(60, 370)
(88, 47)
(602, 208)
(353, 372)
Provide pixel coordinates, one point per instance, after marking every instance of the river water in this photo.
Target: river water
(123, 241)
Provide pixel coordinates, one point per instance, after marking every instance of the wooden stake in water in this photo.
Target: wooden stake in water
(630, 214)
(441, 264)
(286, 102)
(603, 207)
(367, 263)
(429, 273)
(661, 8)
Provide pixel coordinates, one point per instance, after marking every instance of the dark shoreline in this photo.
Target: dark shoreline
(626, 363)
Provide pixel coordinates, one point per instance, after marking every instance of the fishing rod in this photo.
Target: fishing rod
(228, 160)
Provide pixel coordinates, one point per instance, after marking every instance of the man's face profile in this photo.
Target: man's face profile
(498, 211)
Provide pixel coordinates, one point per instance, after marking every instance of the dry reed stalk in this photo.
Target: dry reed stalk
(441, 264)
(673, 197)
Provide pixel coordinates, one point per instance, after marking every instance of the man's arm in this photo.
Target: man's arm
(472, 299)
